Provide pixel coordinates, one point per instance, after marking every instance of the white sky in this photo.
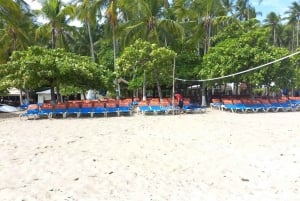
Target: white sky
(265, 7)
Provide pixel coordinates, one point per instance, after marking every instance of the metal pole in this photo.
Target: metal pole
(173, 90)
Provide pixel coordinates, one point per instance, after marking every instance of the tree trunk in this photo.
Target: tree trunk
(144, 87)
(21, 97)
(203, 102)
(53, 100)
(156, 77)
(59, 97)
(91, 41)
(53, 38)
(115, 57)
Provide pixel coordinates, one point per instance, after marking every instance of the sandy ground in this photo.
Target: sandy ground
(213, 156)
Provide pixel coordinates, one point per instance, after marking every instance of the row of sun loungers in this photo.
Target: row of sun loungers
(257, 105)
(110, 107)
(165, 106)
(78, 109)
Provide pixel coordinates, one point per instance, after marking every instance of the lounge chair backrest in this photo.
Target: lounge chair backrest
(47, 106)
(111, 104)
(227, 101)
(99, 104)
(143, 103)
(124, 103)
(61, 105)
(87, 105)
(236, 101)
(165, 102)
(73, 105)
(33, 107)
(215, 100)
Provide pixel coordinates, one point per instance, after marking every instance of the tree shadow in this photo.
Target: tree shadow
(6, 115)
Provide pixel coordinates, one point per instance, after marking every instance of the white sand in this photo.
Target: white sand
(212, 156)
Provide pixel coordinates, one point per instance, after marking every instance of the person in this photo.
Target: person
(178, 97)
(179, 100)
(180, 105)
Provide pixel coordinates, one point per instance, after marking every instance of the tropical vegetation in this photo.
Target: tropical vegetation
(140, 41)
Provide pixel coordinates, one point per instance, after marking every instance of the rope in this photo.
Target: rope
(241, 72)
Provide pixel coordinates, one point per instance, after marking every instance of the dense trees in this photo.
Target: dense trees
(143, 62)
(210, 38)
(246, 50)
(39, 67)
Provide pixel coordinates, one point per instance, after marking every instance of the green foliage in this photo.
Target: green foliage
(145, 59)
(186, 64)
(38, 67)
(244, 51)
(295, 80)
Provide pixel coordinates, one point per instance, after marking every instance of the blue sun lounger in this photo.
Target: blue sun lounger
(60, 109)
(99, 109)
(124, 108)
(31, 112)
(87, 109)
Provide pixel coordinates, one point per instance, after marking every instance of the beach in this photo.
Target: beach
(213, 156)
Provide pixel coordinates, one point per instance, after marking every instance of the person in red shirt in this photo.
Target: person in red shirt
(179, 100)
(178, 97)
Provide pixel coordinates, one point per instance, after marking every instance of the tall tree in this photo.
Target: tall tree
(143, 59)
(293, 19)
(242, 51)
(59, 17)
(112, 16)
(15, 27)
(40, 67)
(89, 11)
(273, 21)
(148, 20)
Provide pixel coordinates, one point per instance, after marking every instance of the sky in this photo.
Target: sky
(265, 7)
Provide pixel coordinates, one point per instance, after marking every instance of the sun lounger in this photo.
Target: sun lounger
(279, 106)
(143, 107)
(165, 106)
(294, 102)
(60, 109)
(31, 112)
(189, 107)
(111, 108)
(124, 108)
(73, 109)
(46, 109)
(216, 103)
(87, 109)
(253, 105)
(228, 105)
(99, 109)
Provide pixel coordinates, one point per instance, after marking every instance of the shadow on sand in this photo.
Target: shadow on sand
(6, 115)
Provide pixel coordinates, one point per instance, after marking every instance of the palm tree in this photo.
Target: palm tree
(293, 19)
(244, 10)
(273, 21)
(58, 16)
(149, 21)
(16, 26)
(88, 11)
(112, 16)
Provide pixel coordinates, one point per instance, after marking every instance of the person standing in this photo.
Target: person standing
(179, 101)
